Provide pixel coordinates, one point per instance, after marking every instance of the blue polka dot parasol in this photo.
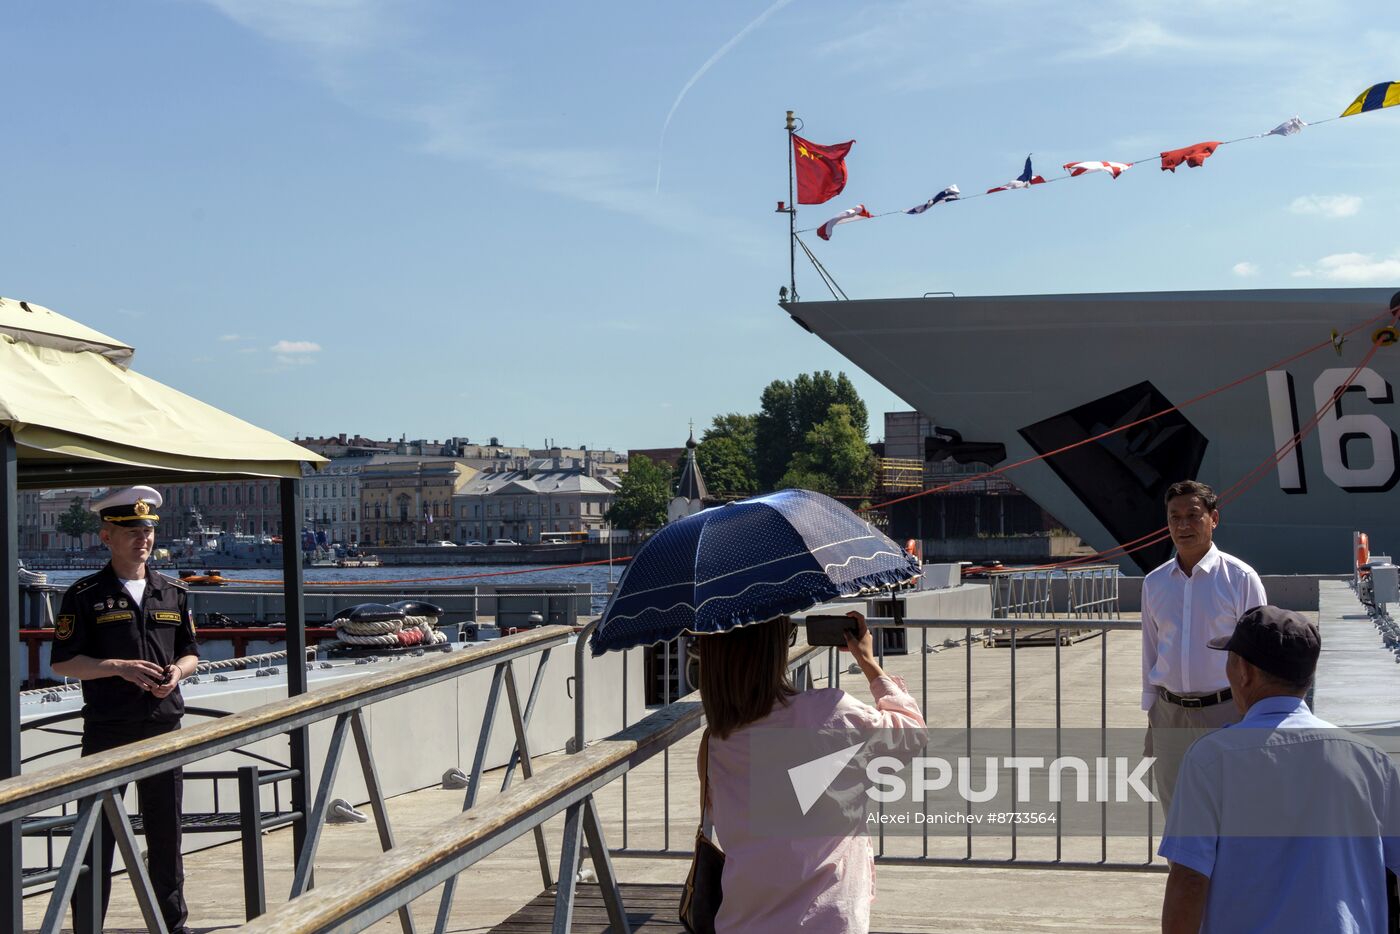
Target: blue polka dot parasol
(747, 562)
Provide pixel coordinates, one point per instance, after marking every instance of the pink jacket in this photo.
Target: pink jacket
(783, 885)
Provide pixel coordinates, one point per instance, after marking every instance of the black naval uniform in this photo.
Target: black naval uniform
(98, 619)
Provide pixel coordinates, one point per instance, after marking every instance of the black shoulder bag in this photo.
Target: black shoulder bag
(702, 895)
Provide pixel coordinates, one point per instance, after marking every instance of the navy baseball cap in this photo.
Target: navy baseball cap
(1283, 643)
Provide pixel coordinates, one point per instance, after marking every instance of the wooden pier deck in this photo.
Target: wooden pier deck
(503, 893)
(651, 909)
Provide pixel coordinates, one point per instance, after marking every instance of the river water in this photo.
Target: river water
(597, 576)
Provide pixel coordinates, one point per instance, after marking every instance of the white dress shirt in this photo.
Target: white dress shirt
(1181, 613)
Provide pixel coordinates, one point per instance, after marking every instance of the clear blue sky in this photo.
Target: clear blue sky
(457, 202)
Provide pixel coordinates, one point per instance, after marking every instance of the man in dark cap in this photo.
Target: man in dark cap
(1281, 822)
(126, 632)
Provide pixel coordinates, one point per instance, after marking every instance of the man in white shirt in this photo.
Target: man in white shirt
(1196, 596)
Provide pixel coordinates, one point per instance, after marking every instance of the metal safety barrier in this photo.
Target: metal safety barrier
(90, 785)
(938, 637)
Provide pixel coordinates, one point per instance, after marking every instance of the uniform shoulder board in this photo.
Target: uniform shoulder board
(83, 583)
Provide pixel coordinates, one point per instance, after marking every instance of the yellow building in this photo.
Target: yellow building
(408, 501)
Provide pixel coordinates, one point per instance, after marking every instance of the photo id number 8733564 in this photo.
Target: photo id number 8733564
(1021, 817)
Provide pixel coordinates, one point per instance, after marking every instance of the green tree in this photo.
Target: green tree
(834, 457)
(640, 501)
(775, 438)
(726, 454)
(78, 521)
(789, 410)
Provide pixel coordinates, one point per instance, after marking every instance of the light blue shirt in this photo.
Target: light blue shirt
(1281, 768)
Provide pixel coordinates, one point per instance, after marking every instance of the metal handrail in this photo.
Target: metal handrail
(104, 771)
(354, 900)
(357, 899)
(982, 622)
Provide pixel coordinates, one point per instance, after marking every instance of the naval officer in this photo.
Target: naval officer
(126, 632)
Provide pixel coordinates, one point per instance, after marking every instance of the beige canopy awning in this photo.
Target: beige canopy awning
(67, 394)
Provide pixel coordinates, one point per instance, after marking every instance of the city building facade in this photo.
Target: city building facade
(251, 507)
(28, 520)
(546, 495)
(331, 496)
(407, 500)
(39, 512)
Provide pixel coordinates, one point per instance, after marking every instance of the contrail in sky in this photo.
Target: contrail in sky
(719, 54)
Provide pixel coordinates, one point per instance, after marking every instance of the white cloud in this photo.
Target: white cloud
(1149, 38)
(339, 25)
(373, 57)
(1326, 205)
(1139, 38)
(1245, 270)
(230, 337)
(1353, 268)
(295, 347)
(295, 361)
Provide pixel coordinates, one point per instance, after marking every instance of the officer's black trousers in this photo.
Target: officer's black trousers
(159, 801)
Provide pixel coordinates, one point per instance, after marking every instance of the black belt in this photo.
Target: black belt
(1210, 700)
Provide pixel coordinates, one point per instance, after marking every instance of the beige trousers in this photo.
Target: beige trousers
(1171, 729)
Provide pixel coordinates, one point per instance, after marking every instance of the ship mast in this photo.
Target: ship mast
(791, 210)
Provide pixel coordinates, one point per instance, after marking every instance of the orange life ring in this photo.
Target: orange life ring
(1363, 549)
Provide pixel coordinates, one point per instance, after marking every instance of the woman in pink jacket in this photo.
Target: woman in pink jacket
(787, 883)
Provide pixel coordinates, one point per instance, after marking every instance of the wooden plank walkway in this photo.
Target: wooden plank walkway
(651, 909)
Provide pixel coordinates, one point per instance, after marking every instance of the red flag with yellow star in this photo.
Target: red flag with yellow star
(821, 170)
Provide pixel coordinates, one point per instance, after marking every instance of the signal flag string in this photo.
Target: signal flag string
(1156, 157)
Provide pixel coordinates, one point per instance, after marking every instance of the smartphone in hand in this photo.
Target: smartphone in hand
(830, 630)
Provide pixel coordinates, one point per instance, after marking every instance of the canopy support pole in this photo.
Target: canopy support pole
(11, 891)
(293, 606)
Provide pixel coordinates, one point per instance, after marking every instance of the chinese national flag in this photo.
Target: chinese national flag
(821, 170)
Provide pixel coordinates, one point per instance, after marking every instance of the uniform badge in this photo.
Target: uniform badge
(111, 603)
(97, 607)
(141, 509)
(121, 602)
(63, 626)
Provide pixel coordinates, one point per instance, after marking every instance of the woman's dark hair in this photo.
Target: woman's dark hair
(743, 673)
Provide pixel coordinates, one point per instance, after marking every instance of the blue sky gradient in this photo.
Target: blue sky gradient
(457, 203)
